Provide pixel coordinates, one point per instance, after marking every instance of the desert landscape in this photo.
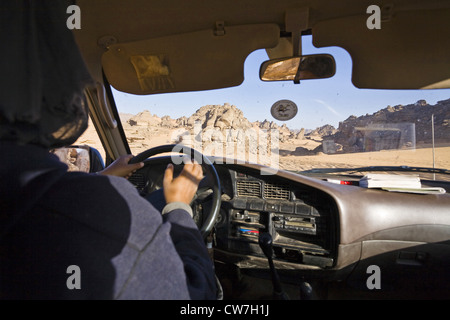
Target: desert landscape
(217, 129)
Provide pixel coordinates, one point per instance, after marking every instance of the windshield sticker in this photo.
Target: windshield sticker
(284, 110)
(152, 72)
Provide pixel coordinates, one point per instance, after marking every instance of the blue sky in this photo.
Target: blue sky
(320, 102)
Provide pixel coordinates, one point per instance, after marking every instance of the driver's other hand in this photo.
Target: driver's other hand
(183, 187)
(121, 168)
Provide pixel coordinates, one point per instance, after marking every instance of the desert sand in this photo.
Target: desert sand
(419, 157)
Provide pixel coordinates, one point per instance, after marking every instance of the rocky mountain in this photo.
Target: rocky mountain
(145, 119)
(211, 117)
(394, 127)
(219, 116)
(400, 127)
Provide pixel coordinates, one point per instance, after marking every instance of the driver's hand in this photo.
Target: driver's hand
(183, 187)
(121, 168)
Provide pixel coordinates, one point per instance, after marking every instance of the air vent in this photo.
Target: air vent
(138, 180)
(248, 188)
(276, 191)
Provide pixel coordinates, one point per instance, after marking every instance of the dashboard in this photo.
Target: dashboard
(320, 229)
(301, 220)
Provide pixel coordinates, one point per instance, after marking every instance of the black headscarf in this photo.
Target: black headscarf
(42, 75)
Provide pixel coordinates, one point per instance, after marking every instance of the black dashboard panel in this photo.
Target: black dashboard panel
(300, 219)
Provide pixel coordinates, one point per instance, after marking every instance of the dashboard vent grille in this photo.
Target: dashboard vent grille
(138, 180)
(276, 191)
(248, 188)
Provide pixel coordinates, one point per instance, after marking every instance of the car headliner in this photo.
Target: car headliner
(202, 46)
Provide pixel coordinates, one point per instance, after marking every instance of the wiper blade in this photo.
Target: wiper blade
(380, 168)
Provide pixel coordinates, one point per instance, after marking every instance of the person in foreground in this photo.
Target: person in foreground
(73, 235)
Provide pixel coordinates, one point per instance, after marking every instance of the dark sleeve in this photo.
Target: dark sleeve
(122, 245)
(165, 256)
(191, 248)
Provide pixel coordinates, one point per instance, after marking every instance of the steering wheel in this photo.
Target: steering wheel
(208, 169)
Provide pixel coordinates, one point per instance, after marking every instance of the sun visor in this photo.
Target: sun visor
(201, 60)
(411, 50)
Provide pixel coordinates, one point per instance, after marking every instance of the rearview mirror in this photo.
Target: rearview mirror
(317, 66)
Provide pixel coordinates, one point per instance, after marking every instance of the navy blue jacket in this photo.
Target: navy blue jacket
(124, 248)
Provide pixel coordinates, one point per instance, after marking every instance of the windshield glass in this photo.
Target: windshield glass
(336, 125)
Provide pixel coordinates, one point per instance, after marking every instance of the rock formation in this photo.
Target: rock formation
(397, 127)
(394, 127)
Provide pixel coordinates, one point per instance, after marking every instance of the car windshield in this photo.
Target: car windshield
(334, 126)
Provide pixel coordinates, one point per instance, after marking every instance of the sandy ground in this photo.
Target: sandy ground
(419, 157)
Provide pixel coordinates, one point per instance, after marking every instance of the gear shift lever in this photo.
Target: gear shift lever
(265, 243)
